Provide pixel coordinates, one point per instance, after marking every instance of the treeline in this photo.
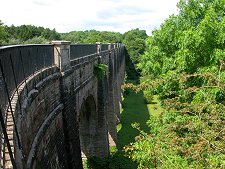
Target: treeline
(133, 39)
(26, 34)
(92, 36)
(184, 64)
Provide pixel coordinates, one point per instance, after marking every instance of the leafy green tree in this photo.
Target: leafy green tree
(25, 32)
(189, 39)
(134, 41)
(185, 65)
(74, 36)
(37, 40)
(50, 34)
(3, 34)
(29, 34)
(92, 36)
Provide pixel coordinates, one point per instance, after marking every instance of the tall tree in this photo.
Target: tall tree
(3, 34)
(134, 41)
(185, 65)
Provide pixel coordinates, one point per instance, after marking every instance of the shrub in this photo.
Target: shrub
(100, 70)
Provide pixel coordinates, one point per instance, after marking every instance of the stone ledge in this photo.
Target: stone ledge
(61, 42)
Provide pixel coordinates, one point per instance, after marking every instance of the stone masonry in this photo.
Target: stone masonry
(65, 113)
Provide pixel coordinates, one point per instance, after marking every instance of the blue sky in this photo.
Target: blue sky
(69, 15)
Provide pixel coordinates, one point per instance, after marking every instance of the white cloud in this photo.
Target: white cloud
(69, 15)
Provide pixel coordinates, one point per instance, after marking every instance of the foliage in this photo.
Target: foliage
(28, 34)
(36, 40)
(92, 36)
(185, 65)
(134, 41)
(100, 70)
(2, 33)
(192, 39)
(148, 96)
(190, 132)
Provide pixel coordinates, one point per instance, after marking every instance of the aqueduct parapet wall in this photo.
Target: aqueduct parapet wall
(55, 109)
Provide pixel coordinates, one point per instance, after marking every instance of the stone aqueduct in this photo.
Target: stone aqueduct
(54, 110)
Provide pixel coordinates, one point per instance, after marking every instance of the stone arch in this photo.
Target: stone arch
(88, 120)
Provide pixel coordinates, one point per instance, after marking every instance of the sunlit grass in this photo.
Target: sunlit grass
(155, 108)
(119, 127)
(85, 164)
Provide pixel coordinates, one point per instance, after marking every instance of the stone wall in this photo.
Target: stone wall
(68, 113)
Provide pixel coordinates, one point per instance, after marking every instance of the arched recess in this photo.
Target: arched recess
(88, 120)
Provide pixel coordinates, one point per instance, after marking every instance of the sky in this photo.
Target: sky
(102, 15)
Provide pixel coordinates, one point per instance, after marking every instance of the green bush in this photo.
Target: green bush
(100, 70)
(148, 97)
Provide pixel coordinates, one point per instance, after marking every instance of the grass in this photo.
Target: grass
(134, 110)
(155, 108)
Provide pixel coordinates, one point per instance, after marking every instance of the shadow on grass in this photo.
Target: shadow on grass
(134, 110)
(153, 103)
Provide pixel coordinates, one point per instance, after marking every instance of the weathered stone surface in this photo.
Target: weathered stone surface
(67, 113)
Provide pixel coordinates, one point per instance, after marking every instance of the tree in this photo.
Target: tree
(191, 38)
(185, 65)
(29, 34)
(36, 40)
(3, 34)
(92, 36)
(134, 41)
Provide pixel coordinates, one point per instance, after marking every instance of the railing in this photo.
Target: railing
(105, 47)
(19, 62)
(79, 50)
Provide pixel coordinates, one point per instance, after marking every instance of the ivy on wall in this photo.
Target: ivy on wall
(100, 71)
